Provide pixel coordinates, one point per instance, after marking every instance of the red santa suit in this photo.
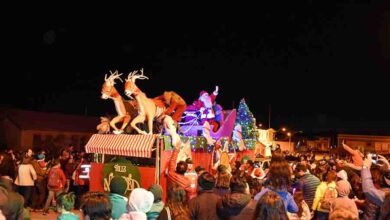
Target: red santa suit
(205, 106)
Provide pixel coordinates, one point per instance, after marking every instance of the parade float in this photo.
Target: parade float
(139, 140)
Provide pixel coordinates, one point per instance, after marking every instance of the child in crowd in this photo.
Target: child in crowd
(65, 204)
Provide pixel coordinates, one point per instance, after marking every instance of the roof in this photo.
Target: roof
(44, 121)
(124, 145)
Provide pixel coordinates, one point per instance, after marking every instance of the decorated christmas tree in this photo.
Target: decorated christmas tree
(248, 124)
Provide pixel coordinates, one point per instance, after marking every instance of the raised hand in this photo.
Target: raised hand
(368, 162)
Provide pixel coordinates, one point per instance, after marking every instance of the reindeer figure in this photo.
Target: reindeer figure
(147, 108)
(109, 92)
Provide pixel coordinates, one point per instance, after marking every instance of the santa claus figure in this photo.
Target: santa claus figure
(205, 106)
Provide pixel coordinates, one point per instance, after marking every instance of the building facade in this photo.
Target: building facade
(21, 130)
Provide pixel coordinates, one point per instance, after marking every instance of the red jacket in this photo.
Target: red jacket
(179, 179)
(61, 176)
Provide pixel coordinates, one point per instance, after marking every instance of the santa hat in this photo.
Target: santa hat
(258, 173)
(203, 92)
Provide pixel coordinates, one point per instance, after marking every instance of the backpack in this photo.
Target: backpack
(330, 193)
(53, 180)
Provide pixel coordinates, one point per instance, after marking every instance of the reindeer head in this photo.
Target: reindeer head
(130, 87)
(108, 89)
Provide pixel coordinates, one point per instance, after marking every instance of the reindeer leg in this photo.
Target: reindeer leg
(126, 121)
(113, 124)
(150, 124)
(136, 120)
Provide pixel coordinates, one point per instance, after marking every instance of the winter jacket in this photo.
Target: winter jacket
(119, 205)
(26, 175)
(236, 206)
(62, 177)
(287, 198)
(68, 216)
(179, 179)
(320, 193)
(154, 212)
(344, 203)
(204, 206)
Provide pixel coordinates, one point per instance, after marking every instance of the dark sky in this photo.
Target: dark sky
(321, 65)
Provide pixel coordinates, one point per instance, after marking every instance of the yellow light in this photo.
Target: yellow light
(289, 134)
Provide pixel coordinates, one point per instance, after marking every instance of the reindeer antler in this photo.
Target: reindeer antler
(133, 75)
(114, 75)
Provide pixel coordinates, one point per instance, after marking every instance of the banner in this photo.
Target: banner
(122, 168)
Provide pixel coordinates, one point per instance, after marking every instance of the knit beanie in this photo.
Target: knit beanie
(206, 181)
(118, 185)
(157, 192)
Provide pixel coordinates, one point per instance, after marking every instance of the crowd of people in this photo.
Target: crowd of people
(36, 181)
(350, 186)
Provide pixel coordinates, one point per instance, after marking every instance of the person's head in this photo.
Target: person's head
(157, 192)
(206, 181)
(331, 176)
(66, 201)
(221, 168)
(237, 164)
(28, 153)
(279, 173)
(376, 176)
(223, 180)
(343, 188)
(56, 163)
(250, 165)
(189, 164)
(96, 205)
(238, 184)
(343, 214)
(203, 94)
(65, 154)
(181, 167)
(118, 185)
(140, 200)
(41, 156)
(342, 175)
(176, 201)
(271, 207)
(199, 170)
(300, 170)
(176, 194)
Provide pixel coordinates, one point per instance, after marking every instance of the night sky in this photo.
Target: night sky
(323, 66)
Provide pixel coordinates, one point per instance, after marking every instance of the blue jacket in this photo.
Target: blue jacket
(68, 216)
(119, 205)
(288, 199)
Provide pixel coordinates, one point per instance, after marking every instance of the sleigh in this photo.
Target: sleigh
(191, 126)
